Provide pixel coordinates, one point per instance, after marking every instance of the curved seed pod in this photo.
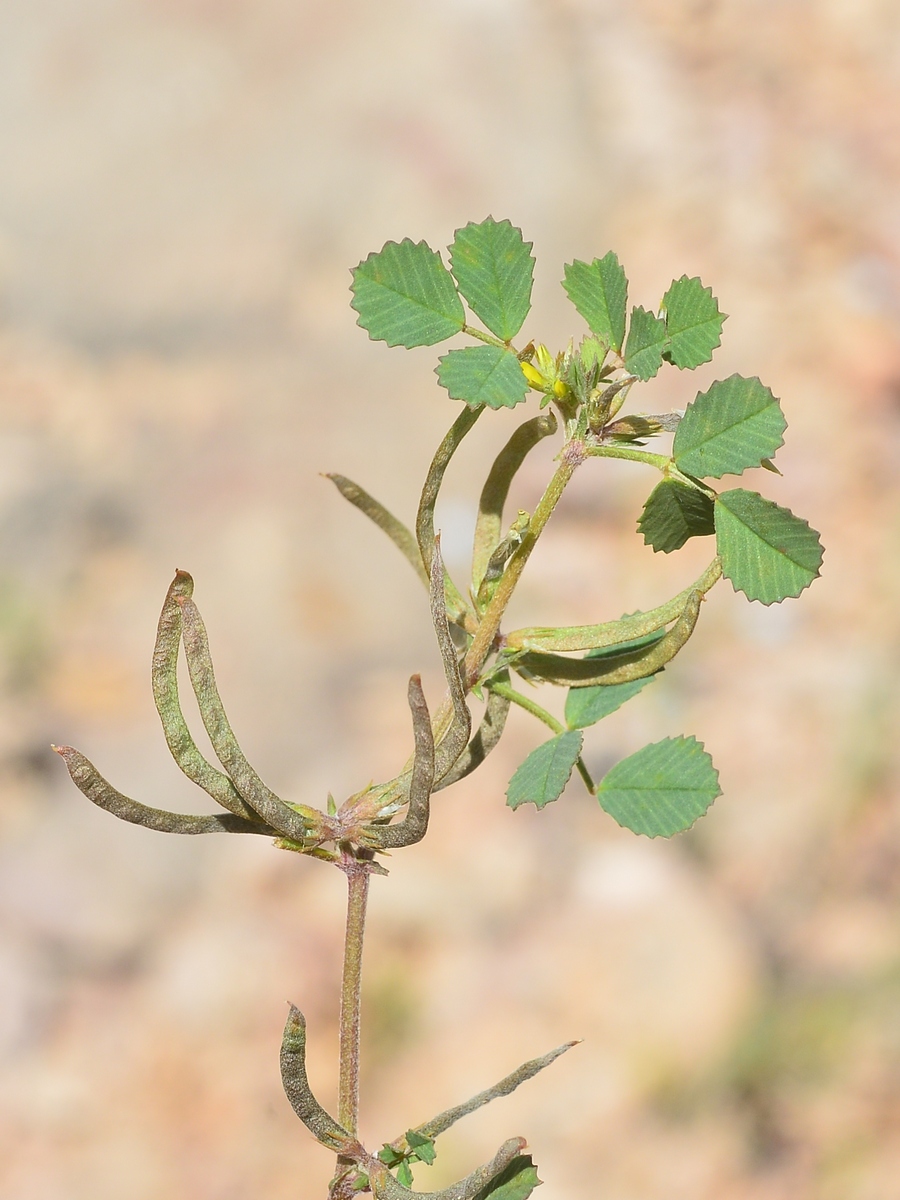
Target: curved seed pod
(617, 668)
(402, 537)
(442, 1122)
(489, 733)
(99, 791)
(320, 1124)
(415, 824)
(453, 742)
(456, 605)
(489, 525)
(597, 637)
(261, 799)
(386, 1187)
(165, 695)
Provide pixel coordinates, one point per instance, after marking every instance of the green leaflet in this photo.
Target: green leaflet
(661, 790)
(766, 552)
(599, 290)
(517, 1182)
(647, 338)
(495, 272)
(543, 775)
(693, 322)
(482, 375)
(405, 296)
(422, 1146)
(734, 425)
(587, 705)
(673, 513)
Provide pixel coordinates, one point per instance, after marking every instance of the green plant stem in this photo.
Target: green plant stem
(487, 337)
(493, 614)
(660, 461)
(503, 689)
(357, 872)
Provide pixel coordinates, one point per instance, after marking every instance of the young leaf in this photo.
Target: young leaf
(404, 1174)
(494, 270)
(517, 1182)
(662, 789)
(647, 338)
(599, 290)
(693, 322)
(483, 375)
(587, 705)
(389, 1155)
(673, 513)
(766, 552)
(405, 296)
(543, 775)
(734, 425)
(422, 1145)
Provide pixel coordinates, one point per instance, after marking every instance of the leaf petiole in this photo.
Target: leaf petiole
(503, 689)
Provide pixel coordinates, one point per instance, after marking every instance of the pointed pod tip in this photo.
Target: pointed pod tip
(294, 1036)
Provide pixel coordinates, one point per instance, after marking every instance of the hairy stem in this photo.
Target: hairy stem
(357, 872)
(660, 461)
(488, 338)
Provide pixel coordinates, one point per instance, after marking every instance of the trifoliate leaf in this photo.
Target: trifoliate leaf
(599, 290)
(494, 270)
(662, 789)
(517, 1182)
(479, 375)
(693, 322)
(405, 296)
(587, 705)
(543, 775)
(673, 513)
(388, 1155)
(647, 338)
(734, 425)
(766, 552)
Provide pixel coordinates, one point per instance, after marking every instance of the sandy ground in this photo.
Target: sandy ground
(185, 184)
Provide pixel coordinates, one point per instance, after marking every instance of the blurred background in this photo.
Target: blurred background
(185, 184)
